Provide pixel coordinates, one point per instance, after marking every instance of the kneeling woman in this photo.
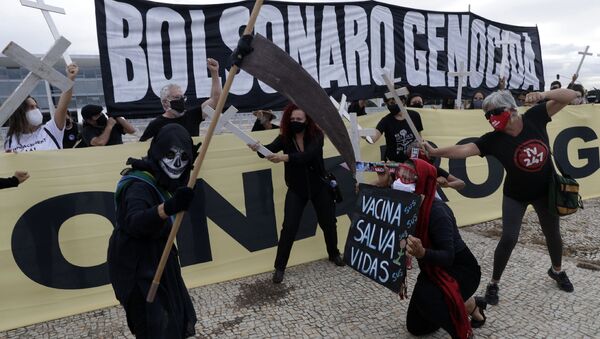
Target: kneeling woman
(443, 294)
(302, 144)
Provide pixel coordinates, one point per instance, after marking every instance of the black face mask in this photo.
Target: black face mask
(417, 105)
(394, 109)
(178, 105)
(101, 121)
(297, 126)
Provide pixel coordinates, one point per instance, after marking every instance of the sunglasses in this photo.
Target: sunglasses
(495, 111)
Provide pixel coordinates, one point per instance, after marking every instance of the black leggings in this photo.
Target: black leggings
(512, 218)
(294, 206)
(427, 310)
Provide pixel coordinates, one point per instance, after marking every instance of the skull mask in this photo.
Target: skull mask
(175, 162)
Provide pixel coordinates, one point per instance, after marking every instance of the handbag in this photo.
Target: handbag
(563, 193)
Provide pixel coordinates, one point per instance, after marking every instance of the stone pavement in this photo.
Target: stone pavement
(319, 300)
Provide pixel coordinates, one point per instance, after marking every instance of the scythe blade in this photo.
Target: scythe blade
(277, 69)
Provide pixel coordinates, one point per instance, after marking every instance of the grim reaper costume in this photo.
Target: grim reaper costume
(137, 242)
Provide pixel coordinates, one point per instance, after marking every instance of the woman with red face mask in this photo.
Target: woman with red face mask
(521, 144)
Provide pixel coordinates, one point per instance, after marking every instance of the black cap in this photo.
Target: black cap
(88, 111)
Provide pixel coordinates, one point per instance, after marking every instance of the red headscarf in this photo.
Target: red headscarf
(426, 185)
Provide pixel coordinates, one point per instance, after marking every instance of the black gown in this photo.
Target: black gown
(134, 250)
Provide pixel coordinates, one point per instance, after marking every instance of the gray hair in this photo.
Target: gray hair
(502, 98)
(166, 91)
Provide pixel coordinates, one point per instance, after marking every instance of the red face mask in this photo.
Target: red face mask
(498, 118)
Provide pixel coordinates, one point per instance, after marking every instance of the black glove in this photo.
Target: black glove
(243, 48)
(181, 201)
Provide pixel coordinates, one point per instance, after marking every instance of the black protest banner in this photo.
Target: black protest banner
(382, 220)
(145, 45)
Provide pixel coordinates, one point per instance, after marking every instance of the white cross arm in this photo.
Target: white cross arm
(399, 92)
(368, 132)
(42, 6)
(224, 122)
(391, 88)
(583, 54)
(30, 81)
(37, 67)
(344, 114)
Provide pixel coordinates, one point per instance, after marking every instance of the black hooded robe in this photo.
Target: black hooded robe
(134, 251)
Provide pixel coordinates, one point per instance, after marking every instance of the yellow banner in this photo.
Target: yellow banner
(54, 228)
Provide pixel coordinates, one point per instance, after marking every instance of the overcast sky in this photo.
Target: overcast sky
(565, 28)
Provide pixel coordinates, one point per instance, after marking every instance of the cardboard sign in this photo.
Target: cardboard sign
(376, 242)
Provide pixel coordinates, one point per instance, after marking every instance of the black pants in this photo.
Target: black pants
(428, 311)
(294, 206)
(512, 218)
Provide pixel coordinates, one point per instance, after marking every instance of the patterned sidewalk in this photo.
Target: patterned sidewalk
(319, 300)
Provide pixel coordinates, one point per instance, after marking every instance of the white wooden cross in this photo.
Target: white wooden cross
(399, 91)
(39, 70)
(224, 122)
(368, 133)
(462, 74)
(46, 9)
(583, 54)
(405, 114)
(504, 44)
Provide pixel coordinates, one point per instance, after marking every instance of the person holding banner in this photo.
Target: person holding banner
(301, 141)
(450, 274)
(521, 144)
(174, 101)
(15, 180)
(26, 131)
(148, 197)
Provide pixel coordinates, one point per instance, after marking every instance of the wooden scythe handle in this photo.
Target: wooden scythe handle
(198, 163)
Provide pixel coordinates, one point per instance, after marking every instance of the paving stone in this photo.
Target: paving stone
(318, 300)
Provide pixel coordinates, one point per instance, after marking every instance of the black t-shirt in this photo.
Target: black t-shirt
(524, 157)
(398, 135)
(90, 132)
(71, 136)
(191, 120)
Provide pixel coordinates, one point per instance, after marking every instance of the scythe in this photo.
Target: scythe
(276, 68)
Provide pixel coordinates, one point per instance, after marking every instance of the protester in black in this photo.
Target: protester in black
(399, 140)
(148, 197)
(174, 101)
(302, 144)
(98, 130)
(358, 107)
(15, 180)
(398, 135)
(520, 143)
(450, 274)
(71, 135)
(264, 120)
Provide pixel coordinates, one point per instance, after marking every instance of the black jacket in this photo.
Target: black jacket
(305, 171)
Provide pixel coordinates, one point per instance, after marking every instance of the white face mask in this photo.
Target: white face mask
(175, 163)
(400, 186)
(35, 117)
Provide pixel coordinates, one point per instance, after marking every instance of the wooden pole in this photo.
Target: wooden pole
(198, 163)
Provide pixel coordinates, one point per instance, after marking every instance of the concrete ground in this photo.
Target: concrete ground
(320, 300)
